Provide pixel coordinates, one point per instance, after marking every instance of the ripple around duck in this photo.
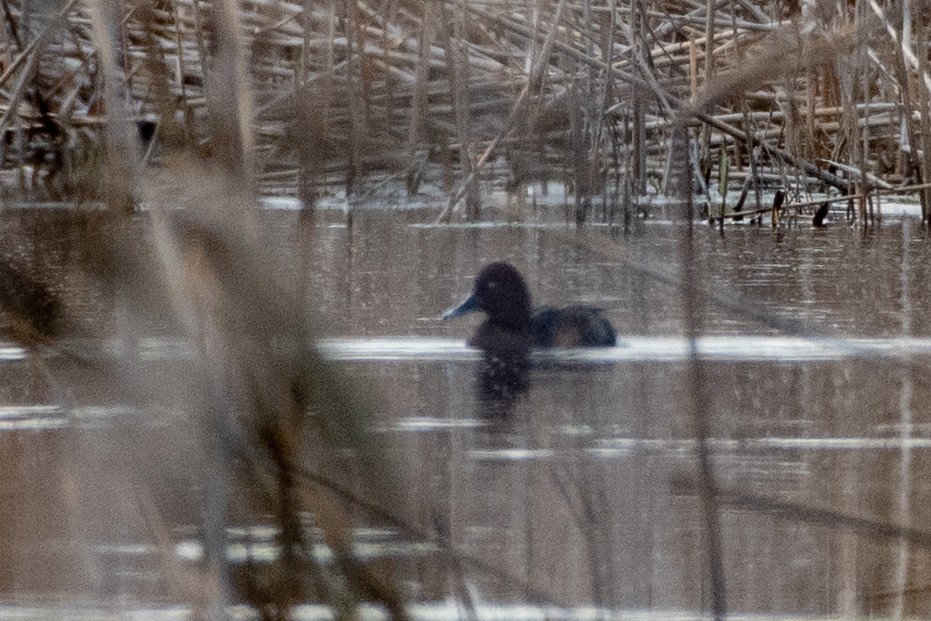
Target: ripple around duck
(435, 611)
(736, 348)
(633, 349)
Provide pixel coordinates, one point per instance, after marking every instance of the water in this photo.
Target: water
(814, 356)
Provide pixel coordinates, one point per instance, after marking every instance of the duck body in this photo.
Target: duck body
(572, 326)
(513, 326)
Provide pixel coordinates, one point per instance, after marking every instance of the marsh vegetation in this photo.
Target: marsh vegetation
(181, 442)
(341, 98)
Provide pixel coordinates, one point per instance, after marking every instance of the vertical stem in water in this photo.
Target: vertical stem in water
(418, 121)
(909, 136)
(847, 75)
(753, 153)
(905, 433)
(924, 103)
(608, 88)
(638, 103)
(704, 163)
(723, 170)
(310, 119)
(696, 379)
(458, 76)
(122, 159)
(354, 63)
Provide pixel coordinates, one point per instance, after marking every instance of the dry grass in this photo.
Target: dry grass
(342, 94)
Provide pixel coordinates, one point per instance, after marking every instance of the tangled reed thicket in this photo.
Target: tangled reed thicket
(345, 94)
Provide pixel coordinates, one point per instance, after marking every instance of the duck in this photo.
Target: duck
(513, 325)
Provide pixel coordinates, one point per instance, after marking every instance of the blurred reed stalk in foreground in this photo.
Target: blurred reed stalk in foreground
(260, 408)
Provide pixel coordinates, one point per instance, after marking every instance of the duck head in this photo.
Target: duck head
(501, 293)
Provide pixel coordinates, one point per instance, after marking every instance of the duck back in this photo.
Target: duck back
(572, 326)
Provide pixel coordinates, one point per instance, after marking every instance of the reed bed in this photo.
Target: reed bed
(471, 95)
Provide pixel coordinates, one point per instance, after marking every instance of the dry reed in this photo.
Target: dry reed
(348, 93)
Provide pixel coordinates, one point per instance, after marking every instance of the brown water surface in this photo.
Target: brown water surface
(817, 363)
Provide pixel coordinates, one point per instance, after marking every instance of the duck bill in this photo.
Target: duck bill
(468, 305)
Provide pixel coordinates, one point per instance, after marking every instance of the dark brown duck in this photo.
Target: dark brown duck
(512, 324)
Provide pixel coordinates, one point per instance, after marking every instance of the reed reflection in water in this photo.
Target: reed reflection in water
(581, 497)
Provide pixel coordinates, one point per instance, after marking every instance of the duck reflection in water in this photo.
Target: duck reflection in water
(512, 328)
